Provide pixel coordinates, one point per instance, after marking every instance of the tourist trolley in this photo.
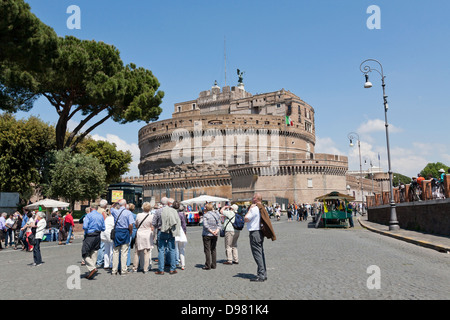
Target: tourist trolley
(336, 210)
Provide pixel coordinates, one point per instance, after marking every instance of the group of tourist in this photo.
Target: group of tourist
(164, 227)
(111, 231)
(437, 186)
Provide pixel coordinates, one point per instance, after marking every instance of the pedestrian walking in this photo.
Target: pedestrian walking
(39, 225)
(29, 231)
(9, 231)
(62, 234)
(144, 239)
(211, 229)
(16, 228)
(54, 226)
(2, 229)
(93, 225)
(69, 226)
(256, 217)
(231, 234)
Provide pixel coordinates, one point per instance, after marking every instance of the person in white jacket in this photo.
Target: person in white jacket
(106, 239)
(40, 225)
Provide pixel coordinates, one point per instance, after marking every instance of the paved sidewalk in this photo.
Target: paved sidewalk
(439, 243)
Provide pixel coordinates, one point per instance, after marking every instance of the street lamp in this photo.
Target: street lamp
(366, 69)
(351, 136)
(371, 173)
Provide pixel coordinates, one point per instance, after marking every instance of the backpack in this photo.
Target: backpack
(238, 223)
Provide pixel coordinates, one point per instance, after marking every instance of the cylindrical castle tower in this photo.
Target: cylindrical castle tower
(245, 140)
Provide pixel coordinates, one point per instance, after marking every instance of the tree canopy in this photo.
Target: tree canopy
(116, 162)
(24, 145)
(27, 46)
(76, 177)
(79, 78)
(432, 169)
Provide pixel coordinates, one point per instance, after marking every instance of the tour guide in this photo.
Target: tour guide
(259, 226)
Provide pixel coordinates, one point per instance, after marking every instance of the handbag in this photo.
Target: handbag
(113, 231)
(222, 231)
(182, 237)
(32, 239)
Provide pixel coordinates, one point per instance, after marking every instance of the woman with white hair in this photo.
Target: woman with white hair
(144, 239)
(105, 236)
(39, 226)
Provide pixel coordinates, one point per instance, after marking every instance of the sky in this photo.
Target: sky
(312, 48)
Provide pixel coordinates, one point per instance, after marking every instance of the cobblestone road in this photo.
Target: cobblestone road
(303, 263)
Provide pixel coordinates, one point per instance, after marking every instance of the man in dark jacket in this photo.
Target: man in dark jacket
(93, 225)
(259, 226)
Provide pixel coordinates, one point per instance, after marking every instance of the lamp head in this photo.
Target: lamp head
(351, 143)
(368, 84)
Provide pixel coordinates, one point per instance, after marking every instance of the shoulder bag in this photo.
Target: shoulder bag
(113, 231)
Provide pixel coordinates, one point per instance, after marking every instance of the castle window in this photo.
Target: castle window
(179, 108)
(310, 183)
(214, 122)
(193, 106)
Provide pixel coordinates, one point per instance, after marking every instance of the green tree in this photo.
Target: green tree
(24, 145)
(76, 177)
(27, 47)
(397, 178)
(433, 170)
(88, 79)
(116, 162)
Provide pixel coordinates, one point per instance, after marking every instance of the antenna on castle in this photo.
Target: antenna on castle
(225, 57)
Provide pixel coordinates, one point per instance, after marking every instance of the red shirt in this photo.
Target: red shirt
(69, 219)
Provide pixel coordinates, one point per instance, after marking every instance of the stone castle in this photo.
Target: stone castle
(230, 143)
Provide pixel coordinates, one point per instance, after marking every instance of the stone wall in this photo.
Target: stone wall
(426, 216)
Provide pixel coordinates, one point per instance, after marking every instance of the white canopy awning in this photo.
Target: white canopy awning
(204, 199)
(47, 204)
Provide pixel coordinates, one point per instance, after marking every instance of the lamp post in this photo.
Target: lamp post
(351, 136)
(371, 173)
(366, 69)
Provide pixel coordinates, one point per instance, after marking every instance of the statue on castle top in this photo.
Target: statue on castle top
(240, 74)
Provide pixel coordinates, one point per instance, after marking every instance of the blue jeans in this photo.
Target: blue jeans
(133, 235)
(69, 235)
(9, 235)
(22, 239)
(166, 240)
(54, 234)
(101, 254)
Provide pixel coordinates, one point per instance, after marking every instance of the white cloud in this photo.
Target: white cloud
(124, 146)
(326, 145)
(376, 125)
(408, 162)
